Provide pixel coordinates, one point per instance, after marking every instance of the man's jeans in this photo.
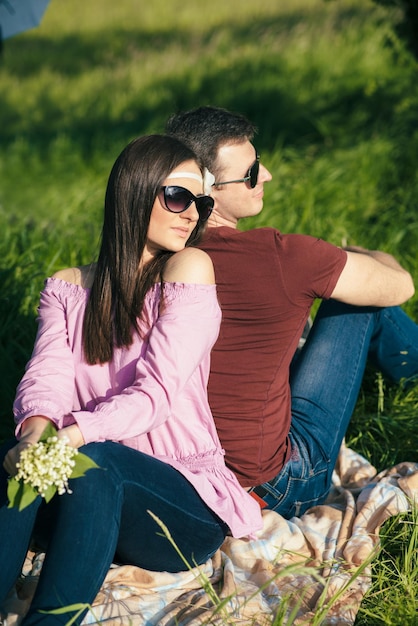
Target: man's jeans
(105, 519)
(325, 383)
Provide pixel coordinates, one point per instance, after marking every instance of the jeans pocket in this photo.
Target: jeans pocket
(299, 485)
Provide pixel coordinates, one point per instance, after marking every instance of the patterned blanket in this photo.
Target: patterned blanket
(318, 564)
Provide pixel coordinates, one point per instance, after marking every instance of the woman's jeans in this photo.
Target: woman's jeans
(105, 519)
(325, 383)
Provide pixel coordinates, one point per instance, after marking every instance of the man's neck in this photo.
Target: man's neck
(216, 220)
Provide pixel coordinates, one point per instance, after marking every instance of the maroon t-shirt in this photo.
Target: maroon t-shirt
(266, 284)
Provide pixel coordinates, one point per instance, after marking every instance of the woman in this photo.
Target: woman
(120, 366)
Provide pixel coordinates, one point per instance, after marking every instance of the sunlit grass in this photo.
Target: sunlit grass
(335, 96)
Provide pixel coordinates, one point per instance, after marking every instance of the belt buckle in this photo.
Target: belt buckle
(258, 494)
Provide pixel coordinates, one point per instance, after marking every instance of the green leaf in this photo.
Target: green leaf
(50, 492)
(82, 464)
(29, 494)
(14, 492)
(49, 431)
(19, 494)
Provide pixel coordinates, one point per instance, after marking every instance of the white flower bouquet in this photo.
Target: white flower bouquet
(45, 468)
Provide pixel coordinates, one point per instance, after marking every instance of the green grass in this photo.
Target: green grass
(335, 95)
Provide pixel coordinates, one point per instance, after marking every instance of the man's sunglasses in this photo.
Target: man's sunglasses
(178, 199)
(251, 177)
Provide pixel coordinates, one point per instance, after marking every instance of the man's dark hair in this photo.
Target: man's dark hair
(207, 128)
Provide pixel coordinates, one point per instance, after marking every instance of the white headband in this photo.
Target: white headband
(186, 175)
(207, 180)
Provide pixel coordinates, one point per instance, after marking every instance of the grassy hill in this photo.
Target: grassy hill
(335, 95)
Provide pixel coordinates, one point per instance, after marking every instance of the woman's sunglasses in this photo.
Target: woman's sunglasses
(251, 177)
(178, 199)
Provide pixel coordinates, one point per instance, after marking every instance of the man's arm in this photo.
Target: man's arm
(373, 278)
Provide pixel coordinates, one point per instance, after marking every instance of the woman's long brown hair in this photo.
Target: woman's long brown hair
(120, 283)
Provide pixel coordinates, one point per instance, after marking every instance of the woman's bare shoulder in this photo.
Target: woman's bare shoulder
(190, 265)
(82, 276)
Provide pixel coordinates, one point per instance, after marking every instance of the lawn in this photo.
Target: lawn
(334, 92)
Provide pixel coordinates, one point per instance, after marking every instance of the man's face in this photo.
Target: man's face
(237, 200)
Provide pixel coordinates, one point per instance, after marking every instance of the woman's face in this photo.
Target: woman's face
(170, 231)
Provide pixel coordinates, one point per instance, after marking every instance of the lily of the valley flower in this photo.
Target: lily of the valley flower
(44, 468)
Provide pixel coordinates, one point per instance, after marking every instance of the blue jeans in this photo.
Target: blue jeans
(105, 519)
(325, 382)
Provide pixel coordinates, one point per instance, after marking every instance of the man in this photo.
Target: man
(282, 420)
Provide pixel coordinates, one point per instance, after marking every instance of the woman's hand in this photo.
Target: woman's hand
(31, 432)
(72, 434)
(13, 456)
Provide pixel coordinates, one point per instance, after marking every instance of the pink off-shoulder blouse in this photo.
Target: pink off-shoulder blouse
(151, 396)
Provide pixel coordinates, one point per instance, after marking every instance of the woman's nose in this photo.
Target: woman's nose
(191, 213)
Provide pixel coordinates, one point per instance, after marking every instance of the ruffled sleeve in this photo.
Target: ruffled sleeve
(47, 387)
